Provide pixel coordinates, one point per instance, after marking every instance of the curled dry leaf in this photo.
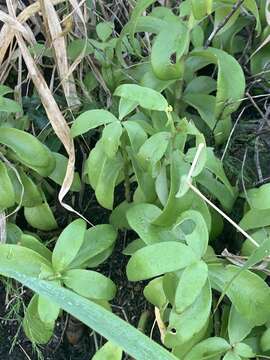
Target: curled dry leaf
(160, 324)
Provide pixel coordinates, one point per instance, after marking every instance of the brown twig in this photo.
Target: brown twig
(223, 23)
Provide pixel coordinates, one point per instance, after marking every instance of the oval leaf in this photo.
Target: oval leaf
(90, 120)
(158, 259)
(90, 284)
(146, 97)
(68, 245)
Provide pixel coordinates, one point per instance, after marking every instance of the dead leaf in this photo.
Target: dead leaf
(54, 31)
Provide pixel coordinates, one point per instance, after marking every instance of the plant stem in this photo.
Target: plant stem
(143, 320)
(126, 175)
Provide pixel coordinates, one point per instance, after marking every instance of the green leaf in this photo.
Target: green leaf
(33, 243)
(5, 90)
(111, 138)
(95, 163)
(59, 172)
(35, 329)
(114, 329)
(238, 326)
(118, 216)
(126, 106)
(230, 89)
(68, 245)
(190, 285)
(208, 349)
(197, 36)
(157, 259)
(154, 292)
(90, 284)
(40, 50)
(140, 218)
(259, 236)
(131, 27)
(251, 5)
(100, 258)
(90, 120)
(165, 46)
(154, 148)
(146, 97)
(107, 179)
(137, 135)
(9, 105)
(265, 340)
(79, 47)
(183, 327)
(146, 183)
(205, 105)
(48, 311)
(230, 355)
(254, 219)
(248, 292)
(109, 351)
(216, 167)
(31, 194)
(97, 239)
(14, 233)
(7, 194)
(28, 150)
(244, 350)
(26, 261)
(162, 186)
(104, 30)
(197, 236)
(90, 81)
(259, 198)
(40, 217)
(134, 246)
(201, 8)
(175, 206)
(217, 189)
(201, 85)
(222, 12)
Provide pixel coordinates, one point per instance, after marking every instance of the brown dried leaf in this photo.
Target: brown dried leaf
(7, 32)
(54, 31)
(55, 116)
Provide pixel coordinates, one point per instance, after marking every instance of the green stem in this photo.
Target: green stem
(170, 119)
(126, 175)
(143, 320)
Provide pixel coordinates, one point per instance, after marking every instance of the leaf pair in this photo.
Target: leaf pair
(73, 251)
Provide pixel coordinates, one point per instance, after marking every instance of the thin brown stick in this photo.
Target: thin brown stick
(223, 23)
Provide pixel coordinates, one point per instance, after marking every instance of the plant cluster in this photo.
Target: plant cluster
(156, 109)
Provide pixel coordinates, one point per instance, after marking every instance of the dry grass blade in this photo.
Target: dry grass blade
(7, 33)
(54, 114)
(161, 325)
(3, 234)
(16, 25)
(78, 12)
(56, 119)
(54, 32)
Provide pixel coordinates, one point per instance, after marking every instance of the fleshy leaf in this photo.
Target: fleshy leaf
(158, 259)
